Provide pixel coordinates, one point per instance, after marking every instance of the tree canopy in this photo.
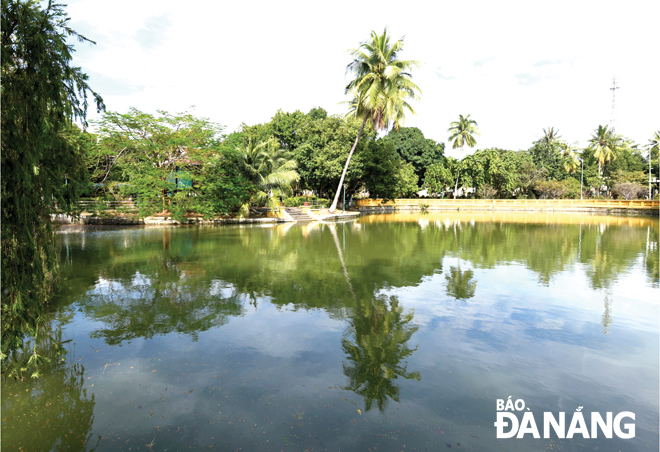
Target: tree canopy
(410, 144)
(42, 95)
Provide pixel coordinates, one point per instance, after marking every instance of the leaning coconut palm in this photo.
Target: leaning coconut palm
(605, 144)
(381, 89)
(461, 133)
(271, 169)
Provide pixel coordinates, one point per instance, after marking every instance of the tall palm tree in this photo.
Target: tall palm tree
(605, 144)
(461, 132)
(271, 169)
(381, 89)
(550, 135)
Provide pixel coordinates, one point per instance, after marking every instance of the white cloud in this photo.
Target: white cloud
(516, 67)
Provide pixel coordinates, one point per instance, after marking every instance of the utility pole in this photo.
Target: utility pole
(650, 191)
(613, 88)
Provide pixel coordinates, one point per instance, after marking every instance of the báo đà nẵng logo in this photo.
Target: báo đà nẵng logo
(510, 425)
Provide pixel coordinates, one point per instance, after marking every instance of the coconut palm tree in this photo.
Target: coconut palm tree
(653, 146)
(461, 132)
(605, 144)
(381, 89)
(550, 135)
(571, 160)
(271, 169)
(654, 143)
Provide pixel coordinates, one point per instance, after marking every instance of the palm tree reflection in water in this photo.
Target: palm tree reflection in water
(377, 349)
(376, 354)
(460, 284)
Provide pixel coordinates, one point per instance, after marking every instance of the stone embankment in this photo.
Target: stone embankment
(285, 216)
(601, 206)
(131, 221)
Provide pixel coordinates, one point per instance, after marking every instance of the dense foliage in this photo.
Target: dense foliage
(42, 95)
(410, 144)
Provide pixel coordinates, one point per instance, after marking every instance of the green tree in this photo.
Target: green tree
(42, 95)
(571, 160)
(489, 167)
(462, 133)
(386, 175)
(271, 169)
(286, 129)
(380, 90)
(654, 143)
(604, 144)
(323, 154)
(548, 154)
(438, 177)
(550, 135)
(553, 189)
(411, 145)
(317, 113)
(156, 150)
(628, 158)
(219, 187)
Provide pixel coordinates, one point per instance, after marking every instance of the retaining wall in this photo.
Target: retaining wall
(635, 207)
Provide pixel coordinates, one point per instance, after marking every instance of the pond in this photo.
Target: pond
(390, 332)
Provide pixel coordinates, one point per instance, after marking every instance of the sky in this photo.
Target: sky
(516, 67)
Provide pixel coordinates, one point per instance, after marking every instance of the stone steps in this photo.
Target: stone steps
(297, 214)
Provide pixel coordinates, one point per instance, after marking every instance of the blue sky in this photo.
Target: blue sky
(515, 67)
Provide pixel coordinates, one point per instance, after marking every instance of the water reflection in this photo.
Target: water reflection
(460, 284)
(652, 257)
(300, 322)
(52, 412)
(377, 347)
(143, 283)
(607, 318)
(170, 301)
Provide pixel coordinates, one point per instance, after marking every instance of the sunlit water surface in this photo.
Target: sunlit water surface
(392, 332)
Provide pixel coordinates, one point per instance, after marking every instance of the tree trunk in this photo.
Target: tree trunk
(458, 173)
(343, 174)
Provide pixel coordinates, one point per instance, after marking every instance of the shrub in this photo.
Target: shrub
(486, 191)
(298, 201)
(629, 190)
(552, 189)
(295, 201)
(323, 202)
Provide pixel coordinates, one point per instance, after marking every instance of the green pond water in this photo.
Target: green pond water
(387, 333)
